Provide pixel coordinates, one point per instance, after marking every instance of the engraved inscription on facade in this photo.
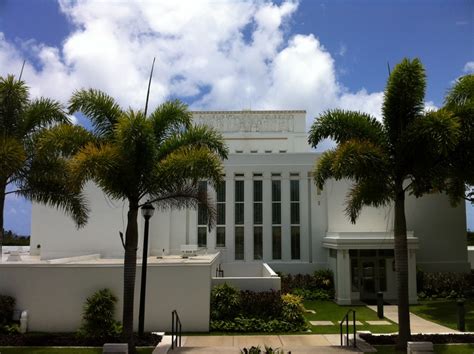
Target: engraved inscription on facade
(238, 122)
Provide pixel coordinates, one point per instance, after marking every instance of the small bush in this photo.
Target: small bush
(98, 316)
(266, 305)
(241, 324)
(257, 350)
(7, 305)
(225, 302)
(318, 286)
(445, 285)
(292, 309)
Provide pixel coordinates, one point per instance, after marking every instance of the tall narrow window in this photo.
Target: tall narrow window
(220, 227)
(239, 220)
(202, 218)
(257, 220)
(276, 219)
(295, 218)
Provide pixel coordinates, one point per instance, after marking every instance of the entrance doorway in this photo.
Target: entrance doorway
(369, 272)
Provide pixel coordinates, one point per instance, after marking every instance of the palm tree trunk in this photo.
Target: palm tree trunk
(130, 268)
(2, 209)
(401, 263)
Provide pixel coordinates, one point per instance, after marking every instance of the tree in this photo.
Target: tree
(133, 157)
(25, 169)
(385, 160)
(460, 103)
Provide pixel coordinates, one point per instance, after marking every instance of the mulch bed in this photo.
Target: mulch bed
(435, 338)
(69, 340)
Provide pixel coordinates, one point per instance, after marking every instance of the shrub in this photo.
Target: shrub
(266, 305)
(292, 309)
(318, 286)
(225, 302)
(241, 324)
(445, 285)
(7, 305)
(98, 316)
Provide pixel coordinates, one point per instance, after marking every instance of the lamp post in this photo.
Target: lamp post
(147, 212)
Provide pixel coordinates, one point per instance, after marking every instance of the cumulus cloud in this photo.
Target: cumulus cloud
(469, 67)
(215, 55)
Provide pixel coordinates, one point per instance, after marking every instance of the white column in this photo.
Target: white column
(285, 219)
(229, 219)
(248, 218)
(343, 285)
(211, 235)
(267, 217)
(304, 220)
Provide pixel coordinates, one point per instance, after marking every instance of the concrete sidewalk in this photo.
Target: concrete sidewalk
(297, 344)
(417, 324)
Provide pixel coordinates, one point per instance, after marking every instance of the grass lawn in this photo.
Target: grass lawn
(330, 311)
(57, 350)
(438, 348)
(444, 312)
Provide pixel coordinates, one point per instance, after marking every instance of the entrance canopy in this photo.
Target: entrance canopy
(365, 240)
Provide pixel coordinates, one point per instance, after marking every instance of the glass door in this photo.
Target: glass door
(368, 279)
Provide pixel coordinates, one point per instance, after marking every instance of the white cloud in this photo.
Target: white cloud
(469, 67)
(430, 106)
(215, 54)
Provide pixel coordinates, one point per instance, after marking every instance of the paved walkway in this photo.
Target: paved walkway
(297, 344)
(417, 324)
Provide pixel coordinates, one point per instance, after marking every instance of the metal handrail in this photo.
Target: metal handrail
(346, 319)
(175, 330)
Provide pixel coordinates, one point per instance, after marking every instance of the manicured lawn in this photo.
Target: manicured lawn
(444, 312)
(438, 348)
(50, 350)
(330, 311)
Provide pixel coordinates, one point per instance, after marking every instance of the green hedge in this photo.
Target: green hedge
(246, 311)
(445, 285)
(316, 286)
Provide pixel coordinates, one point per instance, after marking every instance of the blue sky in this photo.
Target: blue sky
(311, 55)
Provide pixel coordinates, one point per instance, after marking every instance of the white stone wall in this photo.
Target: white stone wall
(54, 295)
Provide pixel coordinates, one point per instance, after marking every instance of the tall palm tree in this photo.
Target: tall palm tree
(25, 169)
(460, 102)
(385, 160)
(136, 158)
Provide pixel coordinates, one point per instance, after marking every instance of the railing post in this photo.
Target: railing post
(347, 330)
(354, 326)
(172, 330)
(340, 332)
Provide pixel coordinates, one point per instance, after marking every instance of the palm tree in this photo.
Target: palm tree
(385, 160)
(25, 169)
(460, 102)
(132, 157)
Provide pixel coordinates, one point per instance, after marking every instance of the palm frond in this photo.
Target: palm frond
(93, 162)
(13, 101)
(436, 133)
(195, 137)
(461, 94)
(49, 181)
(403, 97)
(358, 160)
(367, 192)
(65, 139)
(12, 156)
(341, 125)
(42, 113)
(185, 195)
(323, 168)
(170, 118)
(99, 107)
(187, 164)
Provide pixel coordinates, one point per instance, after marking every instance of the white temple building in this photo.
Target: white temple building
(270, 211)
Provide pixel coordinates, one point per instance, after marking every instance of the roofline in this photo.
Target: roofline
(252, 111)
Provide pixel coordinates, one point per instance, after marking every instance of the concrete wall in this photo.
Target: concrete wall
(249, 276)
(470, 252)
(54, 295)
(439, 227)
(58, 236)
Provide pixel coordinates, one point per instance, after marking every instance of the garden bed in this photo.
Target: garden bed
(389, 339)
(69, 340)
